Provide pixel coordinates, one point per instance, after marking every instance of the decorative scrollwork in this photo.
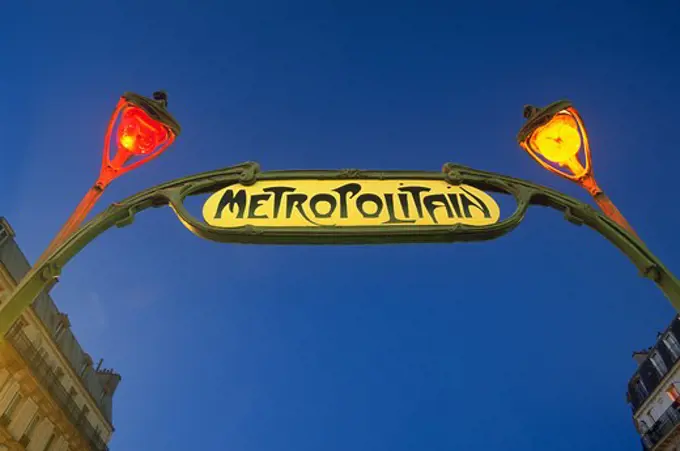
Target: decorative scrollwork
(571, 217)
(249, 173)
(653, 272)
(350, 174)
(453, 174)
(50, 271)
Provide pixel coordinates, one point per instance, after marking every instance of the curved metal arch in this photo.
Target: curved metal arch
(174, 193)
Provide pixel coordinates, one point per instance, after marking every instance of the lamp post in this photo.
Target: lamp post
(556, 138)
(145, 129)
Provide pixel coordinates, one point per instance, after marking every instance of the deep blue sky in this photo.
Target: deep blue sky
(523, 343)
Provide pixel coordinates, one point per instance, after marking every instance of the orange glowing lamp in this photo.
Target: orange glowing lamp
(556, 138)
(145, 129)
(559, 140)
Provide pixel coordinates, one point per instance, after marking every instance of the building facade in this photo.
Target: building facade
(52, 396)
(654, 391)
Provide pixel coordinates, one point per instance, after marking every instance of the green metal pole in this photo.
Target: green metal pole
(43, 276)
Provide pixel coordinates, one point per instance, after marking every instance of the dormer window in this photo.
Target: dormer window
(87, 363)
(59, 330)
(83, 368)
(62, 324)
(640, 389)
(658, 363)
(5, 231)
(672, 344)
(3, 234)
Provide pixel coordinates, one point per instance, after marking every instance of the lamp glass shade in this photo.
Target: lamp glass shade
(558, 141)
(556, 138)
(138, 133)
(140, 129)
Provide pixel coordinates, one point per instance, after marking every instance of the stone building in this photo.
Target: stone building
(654, 391)
(52, 396)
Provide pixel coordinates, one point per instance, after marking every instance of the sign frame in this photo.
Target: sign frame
(315, 235)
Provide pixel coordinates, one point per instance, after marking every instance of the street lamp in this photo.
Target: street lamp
(145, 129)
(556, 138)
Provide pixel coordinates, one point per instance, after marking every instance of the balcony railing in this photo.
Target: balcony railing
(49, 379)
(662, 427)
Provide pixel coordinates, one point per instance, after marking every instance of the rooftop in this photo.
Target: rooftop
(647, 378)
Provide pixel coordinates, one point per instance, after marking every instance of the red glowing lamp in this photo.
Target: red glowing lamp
(145, 129)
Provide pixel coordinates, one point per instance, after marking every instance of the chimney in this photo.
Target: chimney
(109, 380)
(640, 356)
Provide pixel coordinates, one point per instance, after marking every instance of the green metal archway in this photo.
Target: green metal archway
(173, 194)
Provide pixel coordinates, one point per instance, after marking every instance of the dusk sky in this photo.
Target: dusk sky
(522, 343)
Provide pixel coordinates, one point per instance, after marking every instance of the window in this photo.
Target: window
(20, 323)
(4, 233)
(72, 392)
(672, 344)
(640, 389)
(59, 330)
(31, 428)
(658, 363)
(50, 441)
(102, 395)
(83, 413)
(672, 392)
(643, 426)
(59, 373)
(11, 407)
(83, 368)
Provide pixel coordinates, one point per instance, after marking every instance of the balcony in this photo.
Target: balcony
(44, 373)
(665, 431)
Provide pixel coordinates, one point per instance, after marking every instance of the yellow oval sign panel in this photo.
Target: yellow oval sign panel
(343, 203)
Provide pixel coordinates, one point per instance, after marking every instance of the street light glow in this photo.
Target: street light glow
(559, 140)
(145, 130)
(138, 133)
(554, 136)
